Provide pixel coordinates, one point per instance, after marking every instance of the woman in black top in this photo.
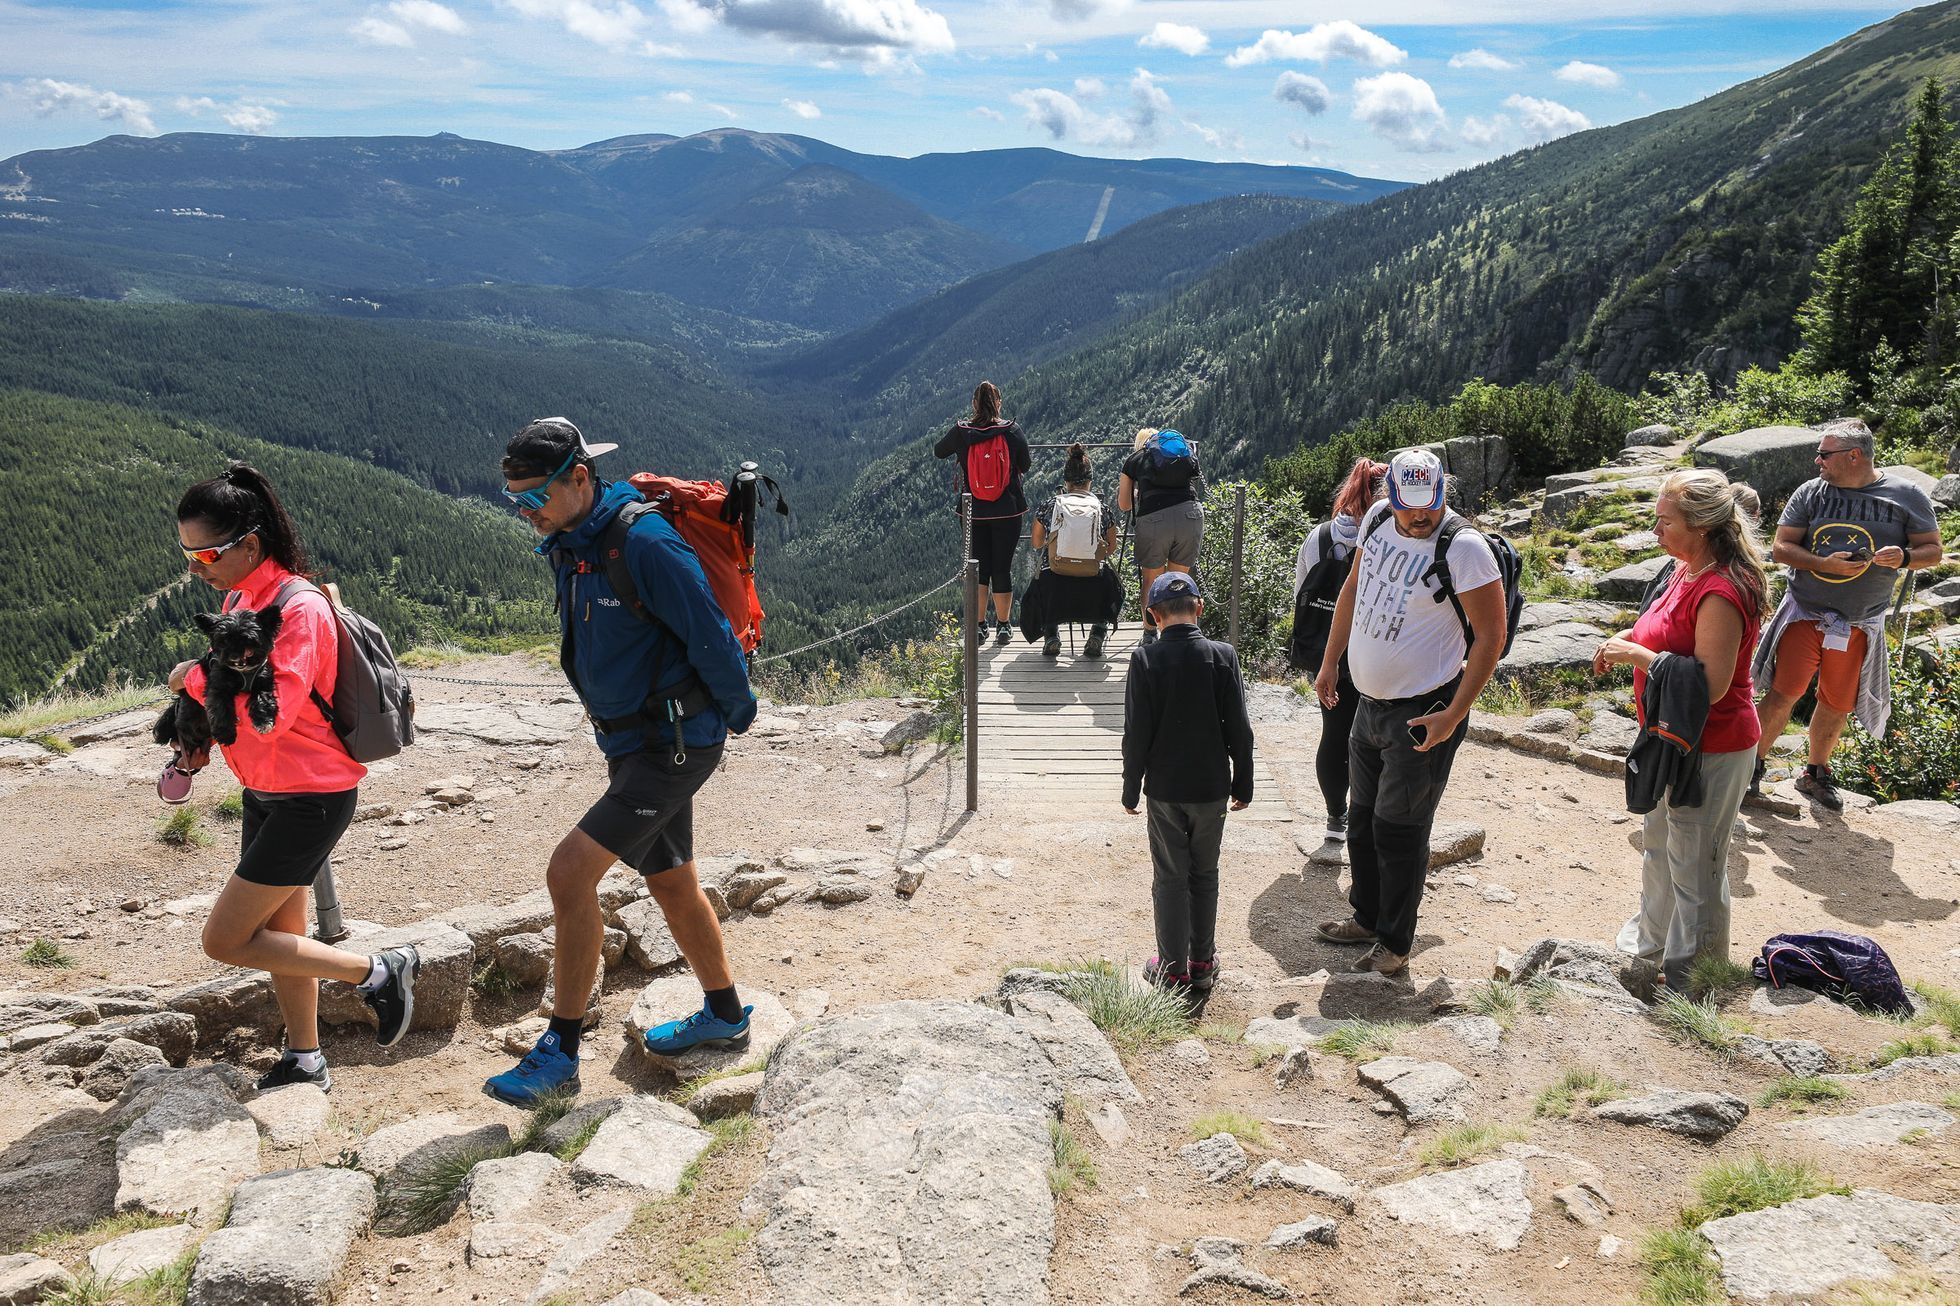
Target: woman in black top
(993, 455)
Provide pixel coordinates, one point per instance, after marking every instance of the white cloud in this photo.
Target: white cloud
(379, 31)
(1545, 120)
(858, 28)
(1339, 39)
(1219, 138)
(803, 108)
(1588, 74)
(1064, 118)
(1079, 11)
(251, 118)
(679, 97)
(50, 97)
(429, 15)
(1402, 110)
(1178, 37)
(1310, 93)
(1484, 131)
(1484, 61)
(1090, 88)
(990, 114)
(615, 24)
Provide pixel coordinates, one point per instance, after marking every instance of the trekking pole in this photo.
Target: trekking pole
(1238, 555)
(970, 656)
(328, 927)
(1903, 604)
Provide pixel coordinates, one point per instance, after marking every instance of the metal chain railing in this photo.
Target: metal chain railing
(950, 581)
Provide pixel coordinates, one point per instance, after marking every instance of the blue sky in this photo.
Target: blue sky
(1397, 88)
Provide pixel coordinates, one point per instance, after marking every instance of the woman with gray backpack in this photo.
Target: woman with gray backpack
(1078, 530)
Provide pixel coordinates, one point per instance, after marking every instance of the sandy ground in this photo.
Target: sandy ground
(1076, 885)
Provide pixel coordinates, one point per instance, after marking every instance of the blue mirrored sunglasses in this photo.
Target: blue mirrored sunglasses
(535, 498)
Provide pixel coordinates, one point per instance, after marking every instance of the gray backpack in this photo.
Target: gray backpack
(373, 708)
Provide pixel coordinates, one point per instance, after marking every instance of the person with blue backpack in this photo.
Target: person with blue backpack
(1160, 484)
(993, 457)
(664, 680)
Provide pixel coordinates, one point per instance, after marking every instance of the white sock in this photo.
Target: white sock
(377, 972)
(311, 1062)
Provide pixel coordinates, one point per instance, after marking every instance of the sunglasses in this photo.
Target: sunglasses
(1831, 453)
(211, 555)
(535, 498)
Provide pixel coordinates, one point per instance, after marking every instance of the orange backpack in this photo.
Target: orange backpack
(718, 525)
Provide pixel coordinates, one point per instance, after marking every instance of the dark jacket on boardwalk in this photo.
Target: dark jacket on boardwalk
(958, 439)
(1186, 738)
(1666, 757)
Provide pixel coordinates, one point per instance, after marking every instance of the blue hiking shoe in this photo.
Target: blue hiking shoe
(544, 1072)
(703, 1029)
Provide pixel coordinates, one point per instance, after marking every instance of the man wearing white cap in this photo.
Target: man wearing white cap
(1422, 622)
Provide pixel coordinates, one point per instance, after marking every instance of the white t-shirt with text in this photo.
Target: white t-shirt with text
(1404, 641)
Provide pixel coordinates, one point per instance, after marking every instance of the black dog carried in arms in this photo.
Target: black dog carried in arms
(238, 662)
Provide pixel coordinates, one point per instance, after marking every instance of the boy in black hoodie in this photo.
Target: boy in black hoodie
(1186, 739)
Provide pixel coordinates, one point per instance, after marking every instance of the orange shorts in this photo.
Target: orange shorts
(1801, 654)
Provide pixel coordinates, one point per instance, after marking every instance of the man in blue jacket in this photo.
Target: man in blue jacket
(662, 691)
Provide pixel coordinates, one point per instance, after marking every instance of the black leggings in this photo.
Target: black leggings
(1331, 759)
(994, 540)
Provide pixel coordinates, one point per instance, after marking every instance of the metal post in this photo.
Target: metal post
(970, 656)
(328, 926)
(1238, 555)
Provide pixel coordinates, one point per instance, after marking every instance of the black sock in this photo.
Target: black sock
(725, 1005)
(568, 1029)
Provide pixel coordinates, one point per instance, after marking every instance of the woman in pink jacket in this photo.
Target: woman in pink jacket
(300, 784)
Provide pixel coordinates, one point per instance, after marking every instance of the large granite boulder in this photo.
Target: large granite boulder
(1807, 1247)
(1774, 459)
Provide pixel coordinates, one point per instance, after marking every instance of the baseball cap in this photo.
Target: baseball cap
(563, 428)
(1415, 480)
(1172, 585)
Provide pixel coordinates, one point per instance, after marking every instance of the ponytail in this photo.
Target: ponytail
(1076, 470)
(240, 502)
(1708, 502)
(986, 404)
(1363, 482)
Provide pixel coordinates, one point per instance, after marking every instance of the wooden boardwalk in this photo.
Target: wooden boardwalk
(1051, 730)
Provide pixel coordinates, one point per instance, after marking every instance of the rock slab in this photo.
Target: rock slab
(25, 1277)
(1423, 1091)
(1486, 1202)
(136, 1254)
(1308, 1177)
(1811, 1245)
(1706, 1116)
(909, 1160)
(186, 1151)
(286, 1240)
(645, 1145)
(1089, 1066)
(1876, 1126)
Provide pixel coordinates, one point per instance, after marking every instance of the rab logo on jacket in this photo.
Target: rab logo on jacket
(608, 603)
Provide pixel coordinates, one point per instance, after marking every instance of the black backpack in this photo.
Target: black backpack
(1313, 606)
(1510, 570)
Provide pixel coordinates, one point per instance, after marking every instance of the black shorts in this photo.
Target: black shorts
(994, 541)
(288, 837)
(646, 818)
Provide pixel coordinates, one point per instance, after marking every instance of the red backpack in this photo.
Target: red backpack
(717, 525)
(989, 464)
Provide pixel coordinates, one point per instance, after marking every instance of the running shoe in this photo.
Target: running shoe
(288, 1072)
(1817, 784)
(1094, 648)
(703, 1029)
(1003, 635)
(1336, 831)
(393, 1000)
(1051, 647)
(544, 1072)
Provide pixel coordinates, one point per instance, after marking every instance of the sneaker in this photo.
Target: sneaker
(1347, 931)
(1094, 648)
(1381, 961)
(288, 1072)
(1149, 635)
(703, 1029)
(1336, 831)
(1156, 976)
(393, 1003)
(1816, 784)
(544, 1072)
(1003, 635)
(1051, 647)
(1204, 974)
(1756, 778)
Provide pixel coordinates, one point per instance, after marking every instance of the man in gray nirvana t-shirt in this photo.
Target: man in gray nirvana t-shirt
(1845, 537)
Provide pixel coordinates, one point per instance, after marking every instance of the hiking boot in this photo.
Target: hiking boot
(1204, 974)
(1094, 648)
(1347, 931)
(1003, 635)
(1336, 831)
(1816, 784)
(1756, 778)
(288, 1072)
(544, 1072)
(393, 1000)
(1381, 961)
(1156, 976)
(1051, 647)
(703, 1029)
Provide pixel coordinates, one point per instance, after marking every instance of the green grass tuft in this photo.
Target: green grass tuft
(729, 1132)
(1943, 1004)
(183, 828)
(1070, 1167)
(417, 1200)
(231, 807)
(1575, 1088)
(169, 1285)
(548, 1111)
(1912, 1045)
(45, 954)
(1222, 1031)
(1078, 965)
(1497, 999)
(493, 981)
(1460, 1143)
(1800, 1090)
(1755, 1183)
(1680, 1270)
(703, 1263)
(1363, 1040)
(1715, 977)
(1687, 1021)
(577, 1142)
(43, 716)
(1542, 994)
(1247, 1129)
(687, 1088)
(1132, 1015)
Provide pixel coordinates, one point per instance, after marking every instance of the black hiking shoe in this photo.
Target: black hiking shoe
(288, 1072)
(1756, 778)
(1051, 647)
(393, 1001)
(1816, 784)
(1094, 648)
(1003, 635)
